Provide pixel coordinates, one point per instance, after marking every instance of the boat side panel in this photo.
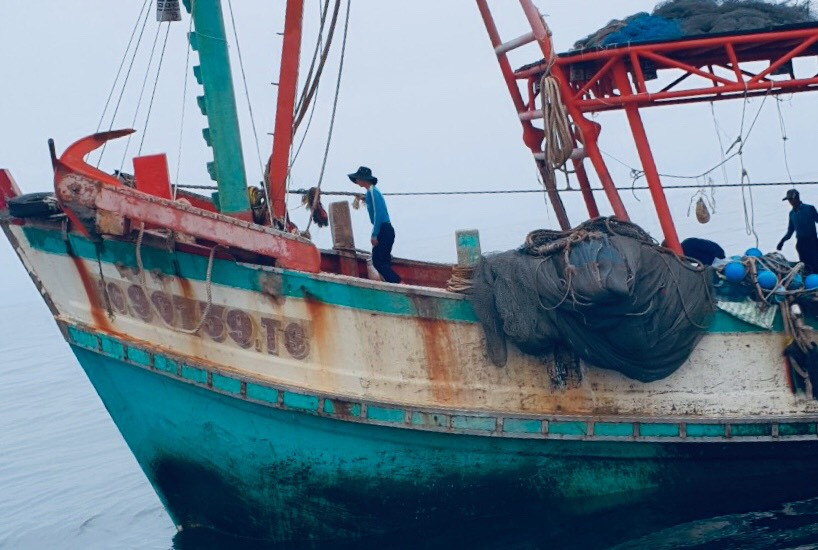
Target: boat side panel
(295, 330)
(224, 462)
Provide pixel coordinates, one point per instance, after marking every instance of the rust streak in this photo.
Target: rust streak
(187, 293)
(98, 313)
(439, 358)
(321, 327)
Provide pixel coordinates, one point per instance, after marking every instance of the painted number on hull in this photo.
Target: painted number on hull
(275, 336)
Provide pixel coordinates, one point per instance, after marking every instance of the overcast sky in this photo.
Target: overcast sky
(422, 103)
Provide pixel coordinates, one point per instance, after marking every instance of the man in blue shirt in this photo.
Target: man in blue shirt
(383, 234)
(803, 218)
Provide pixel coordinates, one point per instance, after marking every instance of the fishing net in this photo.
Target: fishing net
(674, 19)
(606, 290)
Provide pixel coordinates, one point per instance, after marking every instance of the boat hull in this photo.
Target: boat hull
(264, 472)
(282, 405)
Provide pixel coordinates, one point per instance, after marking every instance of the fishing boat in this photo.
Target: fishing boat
(274, 390)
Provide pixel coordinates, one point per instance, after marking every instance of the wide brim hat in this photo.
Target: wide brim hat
(363, 173)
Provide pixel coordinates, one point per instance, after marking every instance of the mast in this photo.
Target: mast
(218, 104)
(287, 84)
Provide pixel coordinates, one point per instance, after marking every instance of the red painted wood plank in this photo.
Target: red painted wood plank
(289, 251)
(151, 175)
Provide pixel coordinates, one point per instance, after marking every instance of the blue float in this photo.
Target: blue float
(797, 282)
(754, 253)
(735, 272)
(767, 280)
(812, 282)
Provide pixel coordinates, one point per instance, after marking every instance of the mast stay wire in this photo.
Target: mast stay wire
(294, 155)
(526, 191)
(334, 108)
(738, 144)
(141, 92)
(121, 66)
(250, 109)
(322, 17)
(127, 77)
(246, 88)
(740, 140)
(313, 86)
(184, 103)
(153, 93)
(322, 14)
(784, 137)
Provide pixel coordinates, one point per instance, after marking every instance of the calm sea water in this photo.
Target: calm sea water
(67, 479)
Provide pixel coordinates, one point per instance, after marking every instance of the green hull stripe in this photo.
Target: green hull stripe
(660, 429)
(227, 273)
(290, 284)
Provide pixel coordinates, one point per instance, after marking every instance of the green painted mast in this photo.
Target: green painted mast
(218, 104)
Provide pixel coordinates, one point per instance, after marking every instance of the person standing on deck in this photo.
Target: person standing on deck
(803, 218)
(383, 234)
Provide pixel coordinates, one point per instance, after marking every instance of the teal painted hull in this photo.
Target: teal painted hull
(254, 470)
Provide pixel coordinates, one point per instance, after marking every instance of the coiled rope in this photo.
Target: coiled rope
(559, 141)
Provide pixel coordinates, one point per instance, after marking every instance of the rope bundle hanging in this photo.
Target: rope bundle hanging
(559, 141)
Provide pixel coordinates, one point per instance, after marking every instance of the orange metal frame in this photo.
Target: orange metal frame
(283, 133)
(611, 79)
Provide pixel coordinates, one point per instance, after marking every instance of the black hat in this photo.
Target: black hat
(792, 194)
(363, 173)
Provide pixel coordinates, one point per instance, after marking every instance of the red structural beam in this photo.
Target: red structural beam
(287, 88)
(696, 57)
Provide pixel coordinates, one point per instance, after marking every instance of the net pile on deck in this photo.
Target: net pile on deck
(606, 290)
(676, 19)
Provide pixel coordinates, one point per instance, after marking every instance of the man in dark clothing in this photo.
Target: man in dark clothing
(703, 250)
(383, 234)
(803, 218)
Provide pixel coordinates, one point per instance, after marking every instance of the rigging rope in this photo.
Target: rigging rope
(784, 137)
(121, 65)
(153, 93)
(141, 93)
(294, 155)
(321, 64)
(264, 186)
(246, 87)
(184, 104)
(524, 191)
(322, 17)
(125, 81)
(322, 13)
(334, 110)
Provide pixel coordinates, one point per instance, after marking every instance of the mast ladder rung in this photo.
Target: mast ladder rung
(515, 43)
(577, 154)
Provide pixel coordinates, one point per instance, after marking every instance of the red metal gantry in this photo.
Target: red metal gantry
(707, 69)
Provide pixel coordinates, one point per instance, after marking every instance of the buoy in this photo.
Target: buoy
(767, 280)
(797, 282)
(780, 294)
(812, 282)
(754, 253)
(735, 272)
